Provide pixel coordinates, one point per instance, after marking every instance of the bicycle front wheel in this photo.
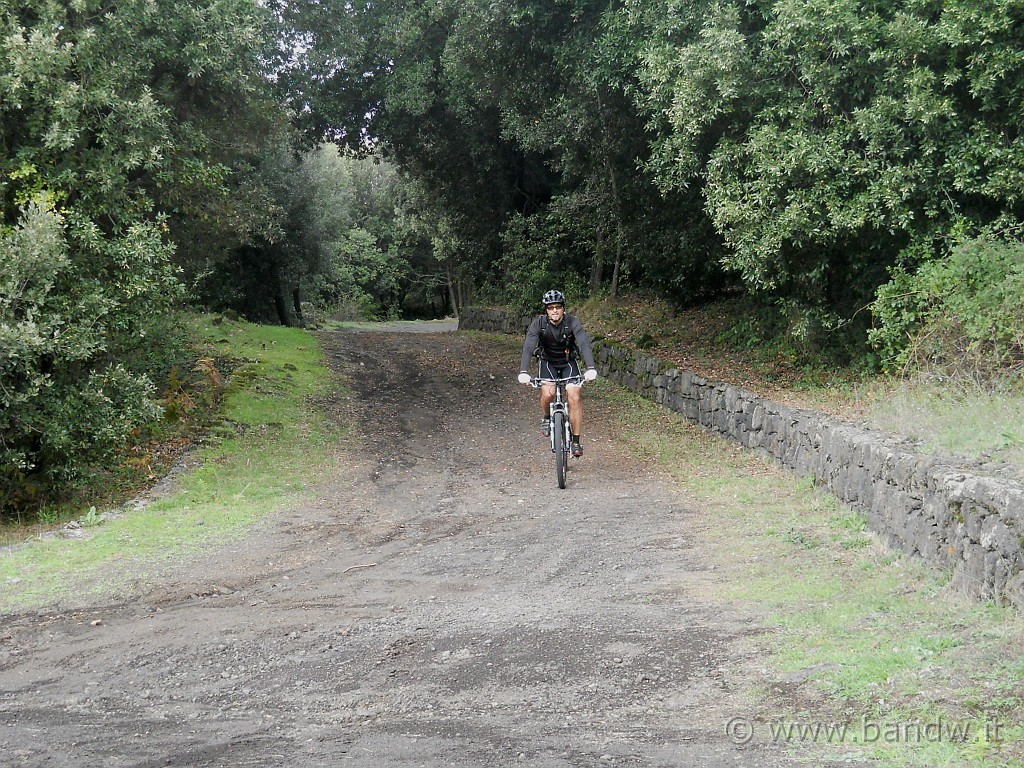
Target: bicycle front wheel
(561, 449)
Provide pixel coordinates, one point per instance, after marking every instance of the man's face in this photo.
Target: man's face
(555, 312)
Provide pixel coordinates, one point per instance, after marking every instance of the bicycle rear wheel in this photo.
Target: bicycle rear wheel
(561, 454)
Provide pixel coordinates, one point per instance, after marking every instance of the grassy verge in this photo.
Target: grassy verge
(964, 420)
(913, 673)
(270, 444)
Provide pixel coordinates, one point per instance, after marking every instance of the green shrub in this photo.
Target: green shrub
(535, 261)
(66, 401)
(960, 317)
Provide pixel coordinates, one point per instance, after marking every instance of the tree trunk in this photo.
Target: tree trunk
(280, 299)
(597, 265)
(617, 216)
(281, 305)
(453, 296)
(616, 210)
(297, 305)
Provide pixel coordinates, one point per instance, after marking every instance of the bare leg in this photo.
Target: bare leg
(575, 409)
(547, 397)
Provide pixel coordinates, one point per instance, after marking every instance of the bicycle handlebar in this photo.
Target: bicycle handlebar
(536, 381)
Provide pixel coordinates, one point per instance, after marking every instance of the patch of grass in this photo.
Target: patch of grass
(869, 636)
(271, 444)
(962, 419)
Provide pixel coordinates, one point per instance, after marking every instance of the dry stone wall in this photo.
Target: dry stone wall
(964, 522)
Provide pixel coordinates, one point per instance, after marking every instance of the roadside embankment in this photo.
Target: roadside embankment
(964, 522)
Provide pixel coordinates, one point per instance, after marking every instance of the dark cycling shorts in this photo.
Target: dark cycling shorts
(551, 370)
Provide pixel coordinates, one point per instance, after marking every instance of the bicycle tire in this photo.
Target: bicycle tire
(561, 452)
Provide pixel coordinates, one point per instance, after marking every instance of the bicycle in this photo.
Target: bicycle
(561, 427)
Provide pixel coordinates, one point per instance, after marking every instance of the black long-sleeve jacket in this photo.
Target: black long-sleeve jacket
(557, 343)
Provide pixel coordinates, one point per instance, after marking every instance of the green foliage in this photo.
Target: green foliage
(799, 146)
(960, 316)
(123, 128)
(363, 228)
(339, 247)
(695, 78)
(504, 112)
(117, 107)
(828, 137)
(66, 402)
(364, 277)
(538, 257)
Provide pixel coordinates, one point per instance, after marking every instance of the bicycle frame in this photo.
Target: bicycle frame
(561, 425)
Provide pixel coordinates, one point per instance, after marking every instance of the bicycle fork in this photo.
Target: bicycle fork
(562, 408)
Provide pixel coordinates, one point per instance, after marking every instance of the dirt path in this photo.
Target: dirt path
(440, 604)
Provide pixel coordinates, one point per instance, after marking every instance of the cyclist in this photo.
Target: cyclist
(557, 338)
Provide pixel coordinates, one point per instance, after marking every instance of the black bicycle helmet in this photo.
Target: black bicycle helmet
(553, 297)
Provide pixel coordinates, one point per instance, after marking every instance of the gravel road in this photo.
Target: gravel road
(440, 603)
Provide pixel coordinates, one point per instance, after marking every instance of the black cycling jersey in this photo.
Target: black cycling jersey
(557, 343)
